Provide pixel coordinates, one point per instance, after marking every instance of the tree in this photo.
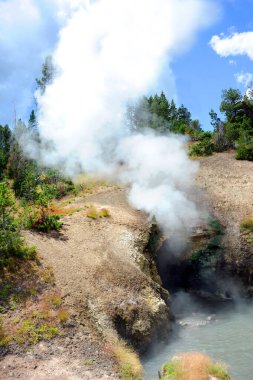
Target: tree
(157, 113)
(155, 105)
(231, 104)
(163, 107)
(48, 72)
(5, 142)
(32, 122)
(183, 115)
(11, 243)
(172, 111)
(23, 171)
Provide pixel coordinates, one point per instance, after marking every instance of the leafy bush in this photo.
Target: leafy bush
(244, 151)
(38, 213)
(202, 148)
(47, 223)
(11, 243)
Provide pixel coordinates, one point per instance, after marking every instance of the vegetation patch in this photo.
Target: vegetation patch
(246, 228)
(94, 213)
(62, 211)
(88, 362)
(247, 225)
(38, 214)
(86, 185)
(219, 371)
(209, 257)
(31, 308)
(12, 245)
(202, 148)
(129, 364)
(192, 366)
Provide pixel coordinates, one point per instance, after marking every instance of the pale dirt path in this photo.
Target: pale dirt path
(229, 186)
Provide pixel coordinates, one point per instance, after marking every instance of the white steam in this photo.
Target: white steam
(111, 52)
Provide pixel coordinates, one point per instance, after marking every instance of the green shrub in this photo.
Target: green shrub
(216, 226)
(48, 223)
(11, 243)
(202, 148)
(244, 151)
(37, 214)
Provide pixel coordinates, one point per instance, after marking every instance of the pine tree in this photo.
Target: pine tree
(163, 107)
(48, 72)
(32, 122)
(5, 142)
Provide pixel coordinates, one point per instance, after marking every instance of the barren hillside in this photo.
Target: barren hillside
(229, 187)
(107, 282)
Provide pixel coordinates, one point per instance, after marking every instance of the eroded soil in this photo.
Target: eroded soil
(229, 187)
(99, 267)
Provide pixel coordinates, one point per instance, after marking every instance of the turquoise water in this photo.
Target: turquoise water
(224, 332)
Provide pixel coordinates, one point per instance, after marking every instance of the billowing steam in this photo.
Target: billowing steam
(111, 52)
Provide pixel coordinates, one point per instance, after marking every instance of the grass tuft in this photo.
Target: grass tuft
(94, 213)
(88, 362)
(247, 225)
(130, 367)
(104, 213)
(219, 371)
(62, 315)
(193, 366)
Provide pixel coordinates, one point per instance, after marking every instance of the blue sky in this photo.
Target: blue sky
(201, 74)
(29, 29)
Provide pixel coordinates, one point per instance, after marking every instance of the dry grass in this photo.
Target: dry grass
(129, 364)
(89, 185)
(193, 366)
(62, 211)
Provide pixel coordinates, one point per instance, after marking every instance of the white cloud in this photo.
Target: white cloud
(235, 44)
(232, 62)
(245, 79)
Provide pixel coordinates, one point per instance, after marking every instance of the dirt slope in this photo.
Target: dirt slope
(105, 281)
(229, 186)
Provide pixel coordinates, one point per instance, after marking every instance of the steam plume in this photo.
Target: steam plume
(111, 52)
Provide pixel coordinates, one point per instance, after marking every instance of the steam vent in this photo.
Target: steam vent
(126, 190)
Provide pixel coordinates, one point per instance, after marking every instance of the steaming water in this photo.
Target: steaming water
(225, 332)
